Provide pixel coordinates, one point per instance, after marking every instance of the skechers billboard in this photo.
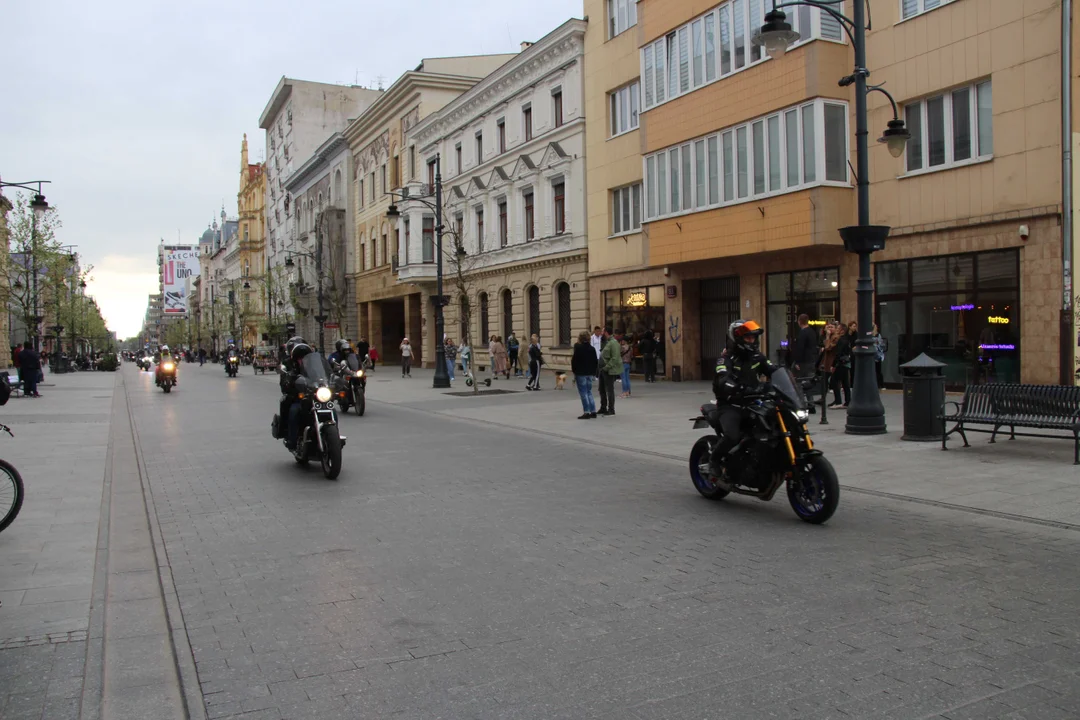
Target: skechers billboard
(179, 271)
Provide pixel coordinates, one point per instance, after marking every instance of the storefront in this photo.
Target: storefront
(962, 310)
(631, 312)
(788, 295)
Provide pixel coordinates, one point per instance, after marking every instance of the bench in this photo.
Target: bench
(14, 383)
(1000, 405)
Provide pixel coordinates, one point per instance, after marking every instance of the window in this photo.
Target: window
(457, 157)
(624, 108)
(459, 228)
(534, 310)
(431, 173)
(526, 121)
(385, 253)
(530, 216)
(622, 15)
(949, 130)
(559, 191)
(501, 126)
(783, 152)
(372, 186)
(507, 313)
(363, 254)
(395, 174)
(719, 43)
(480, 228)
(412, 162)
(556, 101)
(626, 209)
(382, 171)
(485, 332)
(562, 299)
(503, 229)
(479, 148)
(463, 314)
(788, 295)
(428, 239)
(911, 8)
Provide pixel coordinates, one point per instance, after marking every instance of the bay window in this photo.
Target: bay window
(951, 129)
(790, 150)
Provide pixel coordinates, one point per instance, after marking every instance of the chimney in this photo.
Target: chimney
(525, 45)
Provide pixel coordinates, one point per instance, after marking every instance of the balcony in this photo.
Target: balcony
(416, 272)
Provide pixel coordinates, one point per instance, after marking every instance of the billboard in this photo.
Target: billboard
(178, 271)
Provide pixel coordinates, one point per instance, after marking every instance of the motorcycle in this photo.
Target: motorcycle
(775, 449)
(232, 365)
(350, 384)
(167, 376)
(145, 363)
(11, 489)
(317, 435)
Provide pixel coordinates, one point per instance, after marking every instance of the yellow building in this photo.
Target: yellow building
(746, 166)
(389, 311)
(252, 218)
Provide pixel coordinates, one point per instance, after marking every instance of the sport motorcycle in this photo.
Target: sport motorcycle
(318, 437)
(775, 450)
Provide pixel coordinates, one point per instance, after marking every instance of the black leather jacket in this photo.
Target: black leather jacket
(738, 373)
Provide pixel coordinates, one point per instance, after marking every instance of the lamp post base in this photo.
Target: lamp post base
(442, 377)
(866, 414)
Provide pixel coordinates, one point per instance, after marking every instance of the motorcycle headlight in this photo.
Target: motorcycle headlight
(323, 394)
(359, 373)
(802, 415)
(167, 367)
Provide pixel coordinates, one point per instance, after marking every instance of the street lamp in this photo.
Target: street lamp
(442, 376)
(866, 414)
(39, 206)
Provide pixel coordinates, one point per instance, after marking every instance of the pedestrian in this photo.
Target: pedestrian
(29, 369)
(840, 344)
(853, 342)
(610, 362)
(512, 350)
(450, 352)
(804, 354)
(597, 341)
(583, 364)
(406, 358)
(466, 357)
(363, 347)
(647, 348)
(501, 368)
(627, 353)
(536, 360)
(373, 356)
(881, 346)
(491, 357)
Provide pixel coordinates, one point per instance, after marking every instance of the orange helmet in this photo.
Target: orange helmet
(744, 334)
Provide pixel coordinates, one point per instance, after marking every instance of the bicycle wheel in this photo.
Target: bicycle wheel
(11, 493)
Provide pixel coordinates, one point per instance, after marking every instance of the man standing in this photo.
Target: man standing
(647, 347)
(597, 341)
(804, 354)
(29, 367)
(610, 368)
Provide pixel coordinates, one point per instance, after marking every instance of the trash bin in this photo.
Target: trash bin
(676, 373)
(924, 394)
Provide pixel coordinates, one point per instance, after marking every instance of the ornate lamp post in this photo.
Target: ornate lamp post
(866, 414)
(39, 206)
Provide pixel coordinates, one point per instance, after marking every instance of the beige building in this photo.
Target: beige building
(251, 203)
(5, 349)
(382, 162)
(746, 163)
(512, 156)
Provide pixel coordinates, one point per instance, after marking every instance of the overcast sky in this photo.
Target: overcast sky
(135, 109)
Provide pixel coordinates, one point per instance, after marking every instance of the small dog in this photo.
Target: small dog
(560, 380)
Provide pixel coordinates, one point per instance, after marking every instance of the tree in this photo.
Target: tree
(31, 247)
(461, 266)
(274, 285)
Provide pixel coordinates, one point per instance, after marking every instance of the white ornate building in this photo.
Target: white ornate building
(511, 151)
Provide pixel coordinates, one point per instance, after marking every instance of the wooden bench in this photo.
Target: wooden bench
(1000, 405)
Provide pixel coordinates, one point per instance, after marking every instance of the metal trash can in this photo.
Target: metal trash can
(924, 394)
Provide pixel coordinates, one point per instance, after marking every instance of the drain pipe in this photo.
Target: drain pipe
(1068, 327)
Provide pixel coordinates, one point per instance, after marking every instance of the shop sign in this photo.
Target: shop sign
(997, 347)
(637, 299)
(817, 323)
(997, 320)
(968, 306)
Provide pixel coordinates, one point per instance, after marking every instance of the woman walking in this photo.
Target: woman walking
(501, 367)
(536, 359)
(512, 348)
(450, 352)
(584, 366)
(406, 358)
(627, 351)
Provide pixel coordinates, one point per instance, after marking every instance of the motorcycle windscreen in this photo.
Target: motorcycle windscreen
(352, 362)
(315, 368)
(784, 381)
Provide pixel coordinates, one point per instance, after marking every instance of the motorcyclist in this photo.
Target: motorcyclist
(287, 380)
(299, 351)
(230, 352)
(166, 356)
(738, 373)
(342, 350)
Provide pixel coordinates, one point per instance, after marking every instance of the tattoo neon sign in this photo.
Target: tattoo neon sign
(998, 320)
(997, 347)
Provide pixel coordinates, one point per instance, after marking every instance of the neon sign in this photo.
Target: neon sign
(998, 320)
(636, 299)
(967, 306)
(820, 323)
(997, 347)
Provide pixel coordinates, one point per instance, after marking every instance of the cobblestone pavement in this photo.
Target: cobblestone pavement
(465, 571)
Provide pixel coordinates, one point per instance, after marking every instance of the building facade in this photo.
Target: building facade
(511, 153)
(250, 205)
(382, 163)
(318, 195)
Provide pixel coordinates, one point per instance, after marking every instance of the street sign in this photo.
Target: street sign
(331, 326)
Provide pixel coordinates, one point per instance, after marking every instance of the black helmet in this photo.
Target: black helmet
(744, 334)
(299, 350)
(295, 340)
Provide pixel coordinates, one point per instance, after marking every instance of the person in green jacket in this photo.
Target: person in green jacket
(610, 368)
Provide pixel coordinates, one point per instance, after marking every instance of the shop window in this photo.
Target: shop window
(633, 311)
(813, 292)
(562, 296)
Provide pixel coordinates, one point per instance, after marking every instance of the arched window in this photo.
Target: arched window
(562, 298)
(534, 310)
(485, 331)
(336, 197)
(463, 318)
(507, 313)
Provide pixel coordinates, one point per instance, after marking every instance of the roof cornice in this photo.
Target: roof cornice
(397, 99)
(277, 101)
(319, 160)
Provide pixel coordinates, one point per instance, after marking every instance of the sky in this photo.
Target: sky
(135, 109)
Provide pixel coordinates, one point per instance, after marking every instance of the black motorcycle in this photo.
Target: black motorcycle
(317, 436)
(11, 489)
(232, 365)
(144, 363)
(350, 384)
(166, 376)
(775, 449)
